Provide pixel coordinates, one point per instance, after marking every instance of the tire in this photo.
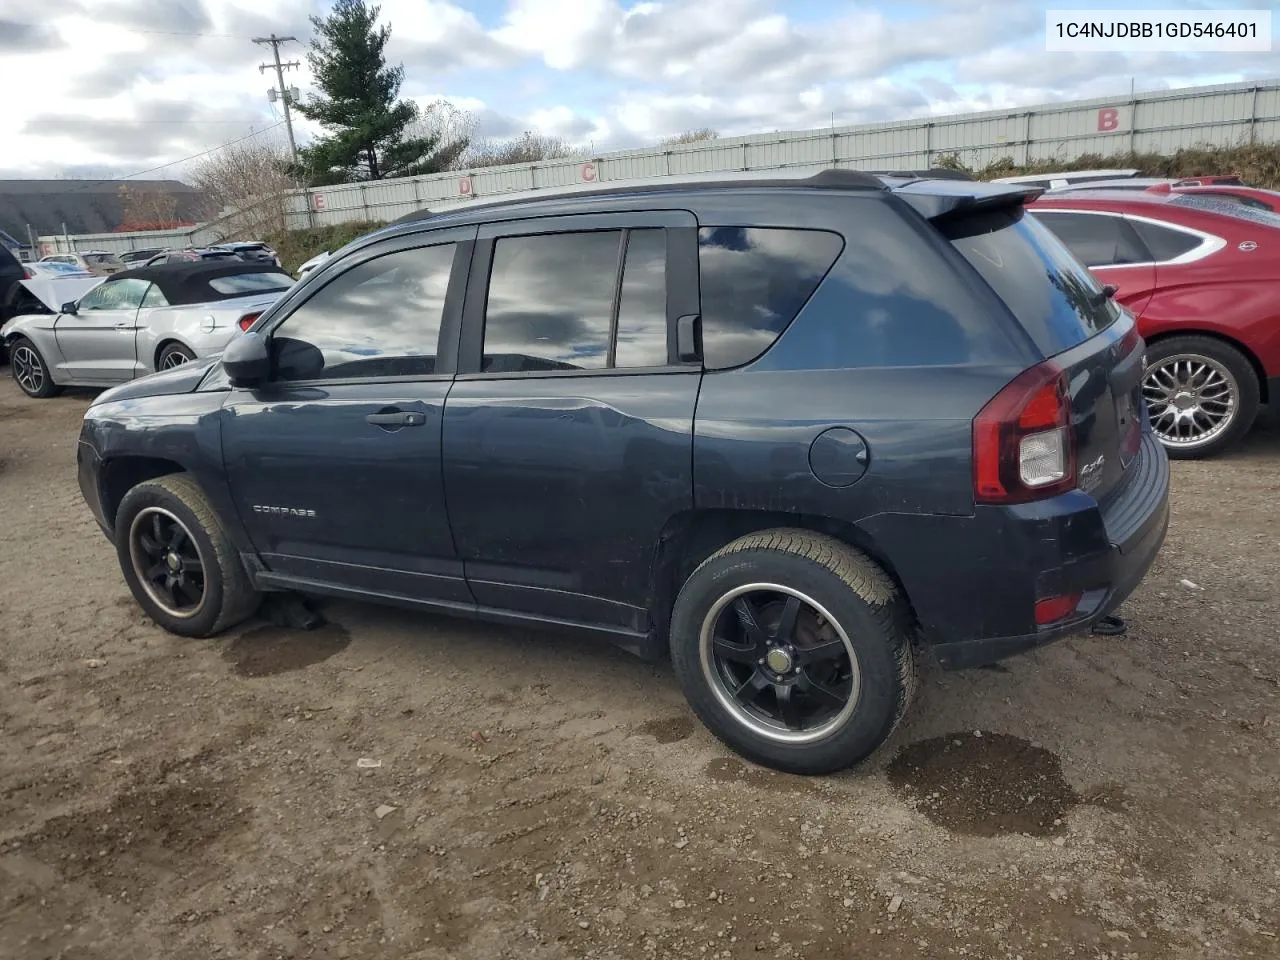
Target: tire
(1172, 377)
(154, 512)
(30, 372)
(868, 626)
(173, 355)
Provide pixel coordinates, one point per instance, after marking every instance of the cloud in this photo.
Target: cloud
(16, 36)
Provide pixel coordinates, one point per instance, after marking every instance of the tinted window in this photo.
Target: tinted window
(378, 319)
(109, 259)
(1097, 240)
(642, 304)
(754, 281)
(115, 295)
(1163, 242)
(551, 302)
(1058, 302)
(252, 283)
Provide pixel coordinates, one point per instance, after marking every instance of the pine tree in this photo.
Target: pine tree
(358, 108)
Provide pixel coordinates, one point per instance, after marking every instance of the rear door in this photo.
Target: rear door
(568, 434)
(1064, 310)
(97, 342)
(1107, 244)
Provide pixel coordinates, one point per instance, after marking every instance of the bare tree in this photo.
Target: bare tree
(143, 209)
(249, 184)
(449, 126)
(529, 147)
(690, 136)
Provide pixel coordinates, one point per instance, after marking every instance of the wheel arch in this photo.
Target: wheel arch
(121, 474)
(691, 536)
(169, 340)
(1254, 362)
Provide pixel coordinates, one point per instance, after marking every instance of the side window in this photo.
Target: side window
(754, 281)
(378, 319)
(642, 301)
(1164, 243)
(550, 304)
(155, 298)
(1096, 240)
(124, 294)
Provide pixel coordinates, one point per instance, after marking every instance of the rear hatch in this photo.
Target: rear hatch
(1071, 320)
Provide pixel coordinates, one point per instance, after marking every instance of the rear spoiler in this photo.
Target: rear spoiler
(947, 201)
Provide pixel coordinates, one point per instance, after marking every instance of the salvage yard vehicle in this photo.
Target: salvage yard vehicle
(1202, 275)
(137, 322)
(101, 263)
(781, 428)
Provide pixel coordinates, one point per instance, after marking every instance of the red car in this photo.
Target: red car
(1231, 193)
(1203, 278)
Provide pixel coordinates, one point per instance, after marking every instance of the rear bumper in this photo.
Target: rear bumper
(973, 582)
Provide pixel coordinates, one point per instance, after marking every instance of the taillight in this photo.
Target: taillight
(27, 274)
(1023, 443)
(247, 320)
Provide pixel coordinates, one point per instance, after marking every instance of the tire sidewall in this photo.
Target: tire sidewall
(170, 350)
(881, 691)
(48, 387)
(150, 495)
(1248, 391)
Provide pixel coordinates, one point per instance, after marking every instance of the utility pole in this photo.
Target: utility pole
(280, 68)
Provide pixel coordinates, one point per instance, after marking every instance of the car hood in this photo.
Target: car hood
(182, 379)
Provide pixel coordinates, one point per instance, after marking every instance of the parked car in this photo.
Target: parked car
(1147, 183)
(314, 262)
(777, 427)
(138, 257)
(13, 295)
(253, 251)
(137, 322)
(1205, 286)
(193, 255)
(98, 262)
(1065, 178)
(1254, 197)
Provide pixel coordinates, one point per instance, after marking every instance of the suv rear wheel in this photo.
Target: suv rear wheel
(795, 650)
(1202, 395)
(178, 561)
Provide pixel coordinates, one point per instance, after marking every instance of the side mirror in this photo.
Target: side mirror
(247, 360)
(70, 308)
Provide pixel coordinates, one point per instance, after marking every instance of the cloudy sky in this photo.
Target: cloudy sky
(117, 87)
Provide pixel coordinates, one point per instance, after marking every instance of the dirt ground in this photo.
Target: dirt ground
(404, 786)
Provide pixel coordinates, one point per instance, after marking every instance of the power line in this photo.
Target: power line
(76, 120)
(155, 33)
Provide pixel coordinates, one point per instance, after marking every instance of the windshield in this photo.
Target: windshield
(1055, 298)
(101, 258)
(252, 283)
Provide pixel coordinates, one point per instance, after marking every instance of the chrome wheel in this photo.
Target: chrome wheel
(28, 369)
(167, 562)
(1191, 399)
(779, 663)
(173, 358)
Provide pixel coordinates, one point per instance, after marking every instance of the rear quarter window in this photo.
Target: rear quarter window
(1056, 299)
(754, 280)
(246, 283)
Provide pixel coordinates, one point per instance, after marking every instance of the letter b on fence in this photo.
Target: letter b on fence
(1108, 119)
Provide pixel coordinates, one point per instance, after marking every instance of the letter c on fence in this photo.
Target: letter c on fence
(464, 186)
(588, 172)
(1108, 119)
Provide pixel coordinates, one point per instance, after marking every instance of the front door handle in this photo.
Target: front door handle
(124, 326)
(396, 419)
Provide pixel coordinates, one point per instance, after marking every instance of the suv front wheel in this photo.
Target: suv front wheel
(178, 561)
(795, 650)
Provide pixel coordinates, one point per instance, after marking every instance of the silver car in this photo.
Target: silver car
(139, 321)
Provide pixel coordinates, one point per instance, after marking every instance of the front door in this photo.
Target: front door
(568, 434)
(334, 465)
(98, 341)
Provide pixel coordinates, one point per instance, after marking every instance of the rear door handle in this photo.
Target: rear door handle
(397, 419)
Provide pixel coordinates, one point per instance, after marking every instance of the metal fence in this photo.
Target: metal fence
(1160, 122)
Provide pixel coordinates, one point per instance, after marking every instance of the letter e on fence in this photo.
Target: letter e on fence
(1108, 119)
(317, 201)
(588, 172)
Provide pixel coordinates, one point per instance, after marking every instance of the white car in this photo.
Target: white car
(100, 263)
(138, 322)
(314, 262)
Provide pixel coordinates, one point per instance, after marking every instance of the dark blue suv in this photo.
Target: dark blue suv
(793, 431)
